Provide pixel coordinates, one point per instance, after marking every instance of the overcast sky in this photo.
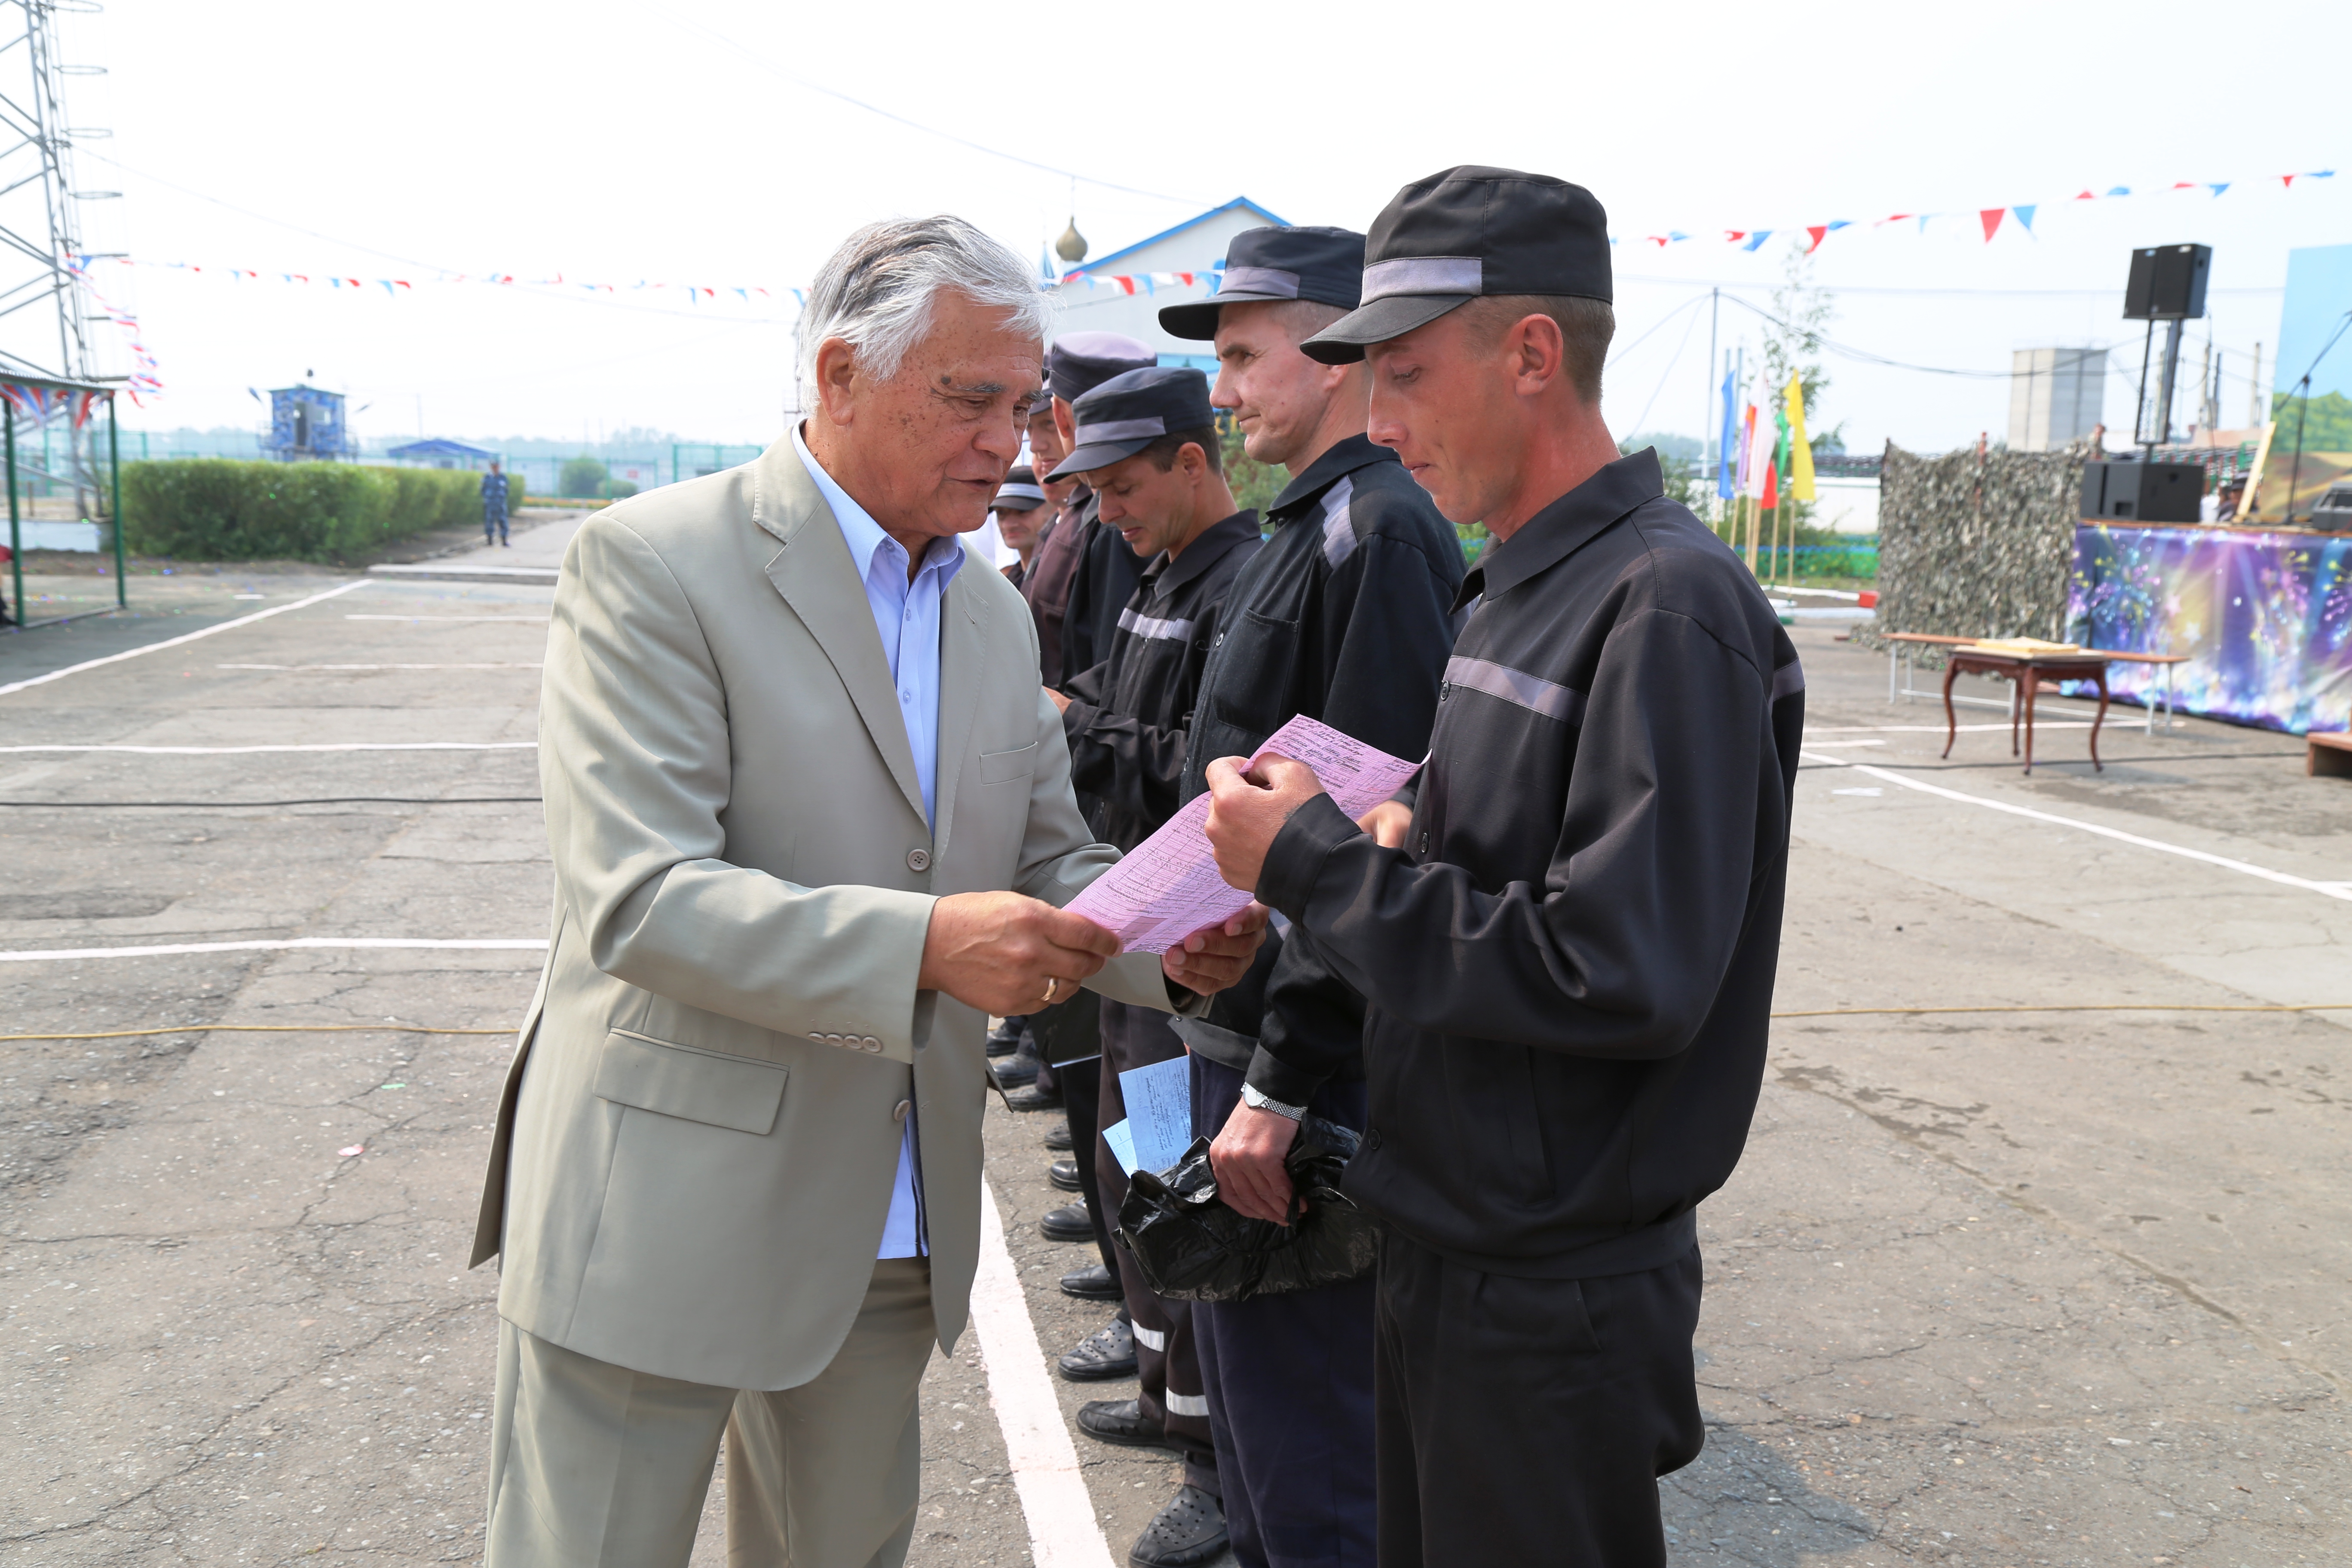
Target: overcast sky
(677, 141)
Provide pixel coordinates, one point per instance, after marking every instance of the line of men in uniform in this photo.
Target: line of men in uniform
(1535, 982)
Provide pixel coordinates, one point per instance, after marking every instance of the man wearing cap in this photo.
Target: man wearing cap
(1147, 443)
(1346, 616)
(1107, 570)
(1568, 942)
(1018, 508)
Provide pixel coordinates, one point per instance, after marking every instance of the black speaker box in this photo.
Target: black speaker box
(2143, 493)
(2167, 283)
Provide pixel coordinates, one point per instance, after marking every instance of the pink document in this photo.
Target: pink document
(1168, 888)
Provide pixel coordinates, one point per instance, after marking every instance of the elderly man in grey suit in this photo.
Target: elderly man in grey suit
(810, 822)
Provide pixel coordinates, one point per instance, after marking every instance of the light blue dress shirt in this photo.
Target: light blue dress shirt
(906, 617)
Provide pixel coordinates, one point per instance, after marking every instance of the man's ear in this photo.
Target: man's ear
(836, 379)
(1539, 350)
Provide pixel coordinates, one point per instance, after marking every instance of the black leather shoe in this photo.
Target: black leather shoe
(1058, 1139)
(1064, 1174)
(1119, 1421)
(1092, 1283)
(1107, 1353)
(1015, 1072)
(1189, 1531)
(1005, 1039)
(1034, 1099)
(1069, 1223)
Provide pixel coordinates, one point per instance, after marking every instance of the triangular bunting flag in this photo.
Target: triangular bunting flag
(1820, 232)
(2025, 214)
(2217, 187)
(1760, 235)
(2088, 196)
(1991, 217)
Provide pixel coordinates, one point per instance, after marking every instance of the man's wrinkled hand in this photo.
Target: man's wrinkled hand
(1213, 959)
(1008, 954)
(1247, 1158)
(1247, 809)
(1387, 823)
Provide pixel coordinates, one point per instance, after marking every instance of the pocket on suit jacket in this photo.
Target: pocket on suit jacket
(1002, 767)
(717, 1090)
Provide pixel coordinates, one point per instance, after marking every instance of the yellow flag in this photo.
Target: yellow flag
(1800, 451)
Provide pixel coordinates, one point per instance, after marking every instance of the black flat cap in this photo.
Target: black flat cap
(1323, 264)
(1472, 231)
(1019, 492)
(1128, 413)
(1080, 362)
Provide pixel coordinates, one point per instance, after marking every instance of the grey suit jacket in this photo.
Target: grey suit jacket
(695, 1150)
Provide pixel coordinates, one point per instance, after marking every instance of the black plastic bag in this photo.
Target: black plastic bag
(1192, 1247)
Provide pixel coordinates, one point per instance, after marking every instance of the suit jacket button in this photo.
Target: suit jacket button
(899, 1111)
(872, 1044)
(919, 859)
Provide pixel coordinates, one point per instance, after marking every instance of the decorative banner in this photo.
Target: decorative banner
(2265, 619)
(143, 377)
(696, 294)
(1991, 220)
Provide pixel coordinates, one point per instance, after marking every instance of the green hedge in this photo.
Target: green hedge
(211, 508)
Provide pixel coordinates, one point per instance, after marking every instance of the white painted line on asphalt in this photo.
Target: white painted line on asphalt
(167, 950)
(1054, 1497)
(496, 620)
(325, 746)
(308, 668)
(1935, 729)
(2325, 889)
(450, 569)
(175, 642)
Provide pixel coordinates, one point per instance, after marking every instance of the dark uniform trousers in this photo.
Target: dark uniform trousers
(1529, 1420)
(1289, 1380)
(1081, 1084)
(1168, 1367)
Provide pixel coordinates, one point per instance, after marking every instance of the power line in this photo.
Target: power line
(1865, 355)
(897, 119)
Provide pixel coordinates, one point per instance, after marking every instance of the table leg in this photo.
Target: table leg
(1894, 653)
(2027, 680)
(2017, 698)
(2101, 676)
(2167, 700)
(1951, 724)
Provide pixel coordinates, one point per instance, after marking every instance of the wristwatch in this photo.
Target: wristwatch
(1256, 1101)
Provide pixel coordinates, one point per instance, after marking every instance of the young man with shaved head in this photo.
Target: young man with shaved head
(1346, 616)
(1568, 941)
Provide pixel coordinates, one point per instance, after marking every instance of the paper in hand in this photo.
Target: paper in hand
(1167, 887)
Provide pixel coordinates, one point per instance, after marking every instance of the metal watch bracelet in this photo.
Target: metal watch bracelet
(1256, 1101)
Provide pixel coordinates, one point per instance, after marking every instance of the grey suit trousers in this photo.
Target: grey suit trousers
(591, 1464)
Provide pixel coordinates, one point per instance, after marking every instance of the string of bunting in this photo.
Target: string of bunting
(1988, 220)
(696, 294)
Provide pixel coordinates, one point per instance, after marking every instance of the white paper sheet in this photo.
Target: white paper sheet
(1167, 888)
(1121, 1136)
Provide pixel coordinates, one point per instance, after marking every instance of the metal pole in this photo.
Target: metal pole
(114, 475)
(2139, 410)
(1709, 431)
(2164, 386)
(16, 530)
(2301, 406)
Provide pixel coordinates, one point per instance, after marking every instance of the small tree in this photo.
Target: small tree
(1254, 484)
(583, 478)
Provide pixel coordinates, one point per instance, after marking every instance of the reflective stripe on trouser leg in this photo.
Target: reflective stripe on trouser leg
(1167, 1371)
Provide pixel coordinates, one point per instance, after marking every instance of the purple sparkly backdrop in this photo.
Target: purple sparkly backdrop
(2265, 617)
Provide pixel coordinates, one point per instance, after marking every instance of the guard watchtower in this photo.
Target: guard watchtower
(306, 425)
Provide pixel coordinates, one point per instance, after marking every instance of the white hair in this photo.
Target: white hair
(875, 293)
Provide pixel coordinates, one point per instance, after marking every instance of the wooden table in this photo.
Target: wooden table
(1899, 642)
(2028, 670)
(2327, 755)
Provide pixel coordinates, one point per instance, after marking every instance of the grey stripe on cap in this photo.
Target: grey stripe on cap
(1021, 492)
(1145, 626)
(1788, 681)
(1271, 280)
(1339, 530)
(1122, 430)
(1423, 275)
(1530, 692)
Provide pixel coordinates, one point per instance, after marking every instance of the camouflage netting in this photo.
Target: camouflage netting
(1976, 545)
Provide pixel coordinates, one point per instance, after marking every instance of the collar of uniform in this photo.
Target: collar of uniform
(1165, 576)
(1345, 457)
(1561, 528)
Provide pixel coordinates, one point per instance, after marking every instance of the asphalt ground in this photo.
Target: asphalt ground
(1998, 1287)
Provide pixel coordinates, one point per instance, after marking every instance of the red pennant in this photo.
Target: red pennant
(1991, 217)
(1817, 231)
(2287, 180)
(2184, 185)
(1772, 496)
(1734, 235)
(2088, 196)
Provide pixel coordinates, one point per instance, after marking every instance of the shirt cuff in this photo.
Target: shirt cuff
(1294, 858)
